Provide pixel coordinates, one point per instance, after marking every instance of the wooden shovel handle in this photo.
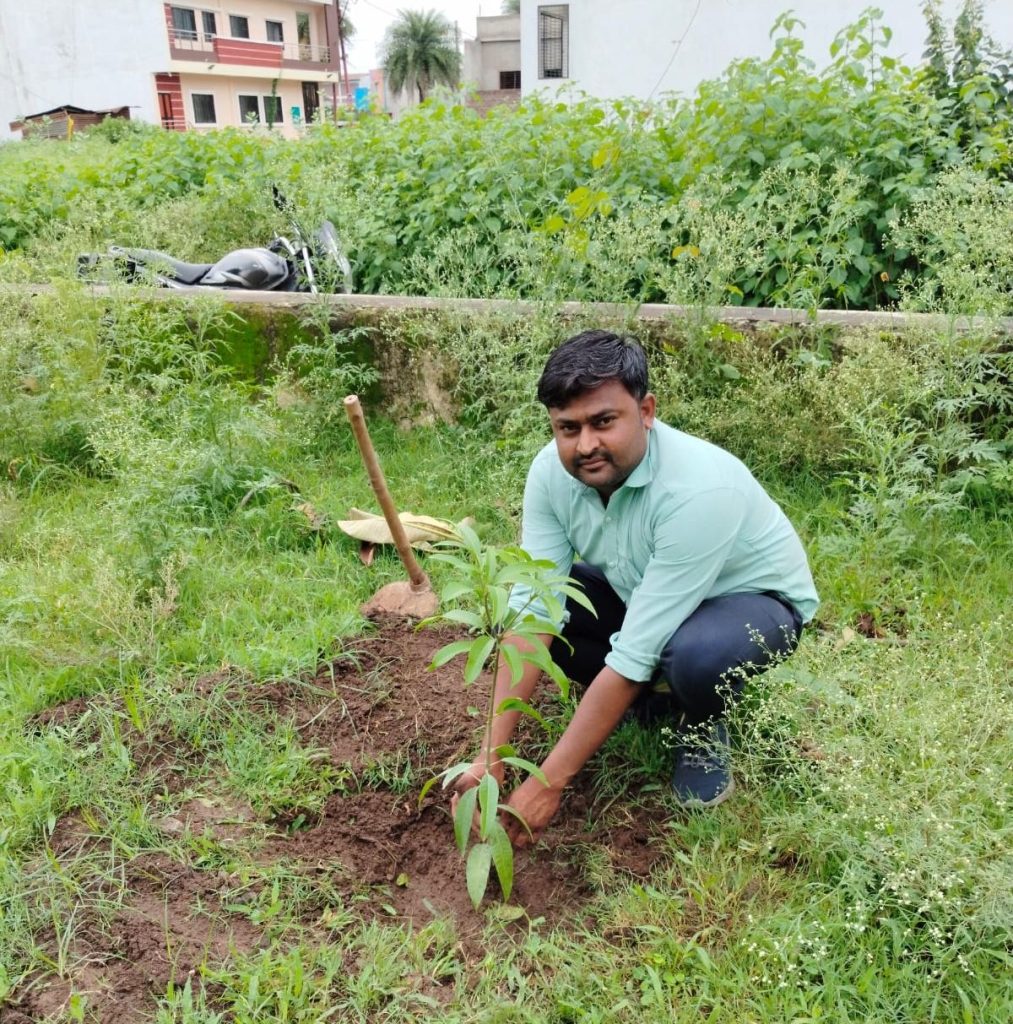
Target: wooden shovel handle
(419, 580)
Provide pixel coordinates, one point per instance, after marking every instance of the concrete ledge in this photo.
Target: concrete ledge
(746, 316)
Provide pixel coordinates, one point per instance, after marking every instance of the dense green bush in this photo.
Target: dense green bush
(776, 184)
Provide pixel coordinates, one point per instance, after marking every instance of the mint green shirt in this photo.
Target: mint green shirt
(689, 523)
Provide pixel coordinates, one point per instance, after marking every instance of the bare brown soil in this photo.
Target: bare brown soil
(374, 710)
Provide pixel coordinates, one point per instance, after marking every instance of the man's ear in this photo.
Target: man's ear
(648, 406)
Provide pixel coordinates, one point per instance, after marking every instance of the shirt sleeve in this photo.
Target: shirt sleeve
(691, 545)
(543, 536)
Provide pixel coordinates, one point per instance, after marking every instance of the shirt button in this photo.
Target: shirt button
(612, 564)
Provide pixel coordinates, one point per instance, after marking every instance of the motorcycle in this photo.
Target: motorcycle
(302, 263)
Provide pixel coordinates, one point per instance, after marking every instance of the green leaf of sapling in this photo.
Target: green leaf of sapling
(480, 649)
(516, 704)
(506, 808)
(513, 574)
(503, 858)
(452, 591)
(465, 618)
(477, 871)
(512, 657)
(527, 766)
(499, 600)
(456, 562)
(453, 772)
(488, 801)
(553, 607)
(469, 539)
(449, 652)
(577, 594)
(464, 814)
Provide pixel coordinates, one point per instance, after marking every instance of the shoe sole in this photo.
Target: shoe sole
(692, 805)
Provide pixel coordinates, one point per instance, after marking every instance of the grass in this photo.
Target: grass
(861, 873)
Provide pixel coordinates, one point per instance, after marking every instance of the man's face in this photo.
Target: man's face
(601, 435)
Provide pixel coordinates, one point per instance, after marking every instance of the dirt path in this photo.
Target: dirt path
(383, 718)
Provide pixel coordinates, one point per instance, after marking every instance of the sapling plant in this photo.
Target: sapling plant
(482, 581)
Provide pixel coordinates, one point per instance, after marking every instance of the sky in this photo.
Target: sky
(371, 18)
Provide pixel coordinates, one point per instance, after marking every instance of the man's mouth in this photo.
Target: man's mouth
(593, 462)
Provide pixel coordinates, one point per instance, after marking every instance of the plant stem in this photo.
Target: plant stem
(491, 710)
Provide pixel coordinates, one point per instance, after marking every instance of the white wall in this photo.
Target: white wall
(90, 53)
(626, 49)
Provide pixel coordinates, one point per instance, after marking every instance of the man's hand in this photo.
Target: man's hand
(537, 804)
(601, 707)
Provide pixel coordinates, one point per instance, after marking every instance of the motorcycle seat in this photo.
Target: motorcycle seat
(179, 270)
(188, 273)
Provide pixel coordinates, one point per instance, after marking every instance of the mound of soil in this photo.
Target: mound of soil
(383, 718)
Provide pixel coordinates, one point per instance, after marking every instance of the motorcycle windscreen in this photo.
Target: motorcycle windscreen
(326, 242)
(256, 269)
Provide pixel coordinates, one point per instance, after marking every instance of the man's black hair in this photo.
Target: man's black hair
(586, 361)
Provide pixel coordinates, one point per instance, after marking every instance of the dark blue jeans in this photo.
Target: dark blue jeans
(707, 659)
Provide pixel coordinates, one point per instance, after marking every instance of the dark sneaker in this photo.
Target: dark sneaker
(703, 770)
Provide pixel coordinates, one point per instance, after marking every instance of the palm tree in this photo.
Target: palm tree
(348, 30)
(420, 51)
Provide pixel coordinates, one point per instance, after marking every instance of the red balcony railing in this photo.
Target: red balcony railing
(186, 44)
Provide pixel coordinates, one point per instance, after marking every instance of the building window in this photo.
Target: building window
(302, 31)
(509, 79)
(272, 110)
(275, 32)
(204, 108)
(310, 101)
(209, 23)
(239, 26)
(249, 109)
(184, 23)
(554, 41)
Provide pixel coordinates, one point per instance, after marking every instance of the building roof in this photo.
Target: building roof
(69, 108)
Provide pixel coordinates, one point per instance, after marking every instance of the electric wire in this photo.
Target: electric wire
(678, 47)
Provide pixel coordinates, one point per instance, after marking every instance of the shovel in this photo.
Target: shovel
(415, 598)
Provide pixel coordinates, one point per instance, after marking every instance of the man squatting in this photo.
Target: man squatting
(697, 577)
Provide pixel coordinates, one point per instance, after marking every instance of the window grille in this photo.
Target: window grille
(509, 79)
(204, 108)
(272, 110)
(554, 41)
(210, 24)
(239, 26)
(249, 109)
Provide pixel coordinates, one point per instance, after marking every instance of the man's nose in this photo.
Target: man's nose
(587, 442)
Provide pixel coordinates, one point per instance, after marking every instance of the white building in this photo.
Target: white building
(184, 65)
(53, 53)
(643, 48)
